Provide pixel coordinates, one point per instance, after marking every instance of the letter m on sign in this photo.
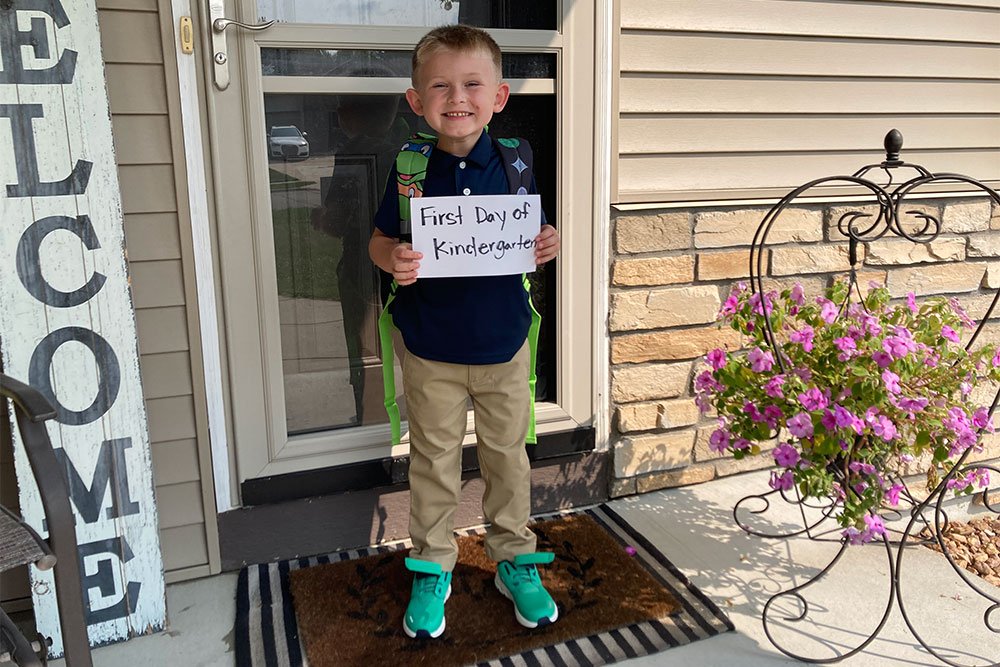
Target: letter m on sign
(110, 468)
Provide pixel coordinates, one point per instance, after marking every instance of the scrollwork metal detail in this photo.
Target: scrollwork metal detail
(927, 520)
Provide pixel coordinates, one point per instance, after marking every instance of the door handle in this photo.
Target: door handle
(220, 51)
(220, 24)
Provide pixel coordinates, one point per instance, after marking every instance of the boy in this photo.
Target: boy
(465, 337)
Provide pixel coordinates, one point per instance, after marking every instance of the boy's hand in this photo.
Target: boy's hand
(546, 244)
(405, 262)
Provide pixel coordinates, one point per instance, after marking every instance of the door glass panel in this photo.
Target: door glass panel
(380, 63)
(328, 159)
(539, 15)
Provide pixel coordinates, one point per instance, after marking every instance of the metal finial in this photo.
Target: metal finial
(893, 145)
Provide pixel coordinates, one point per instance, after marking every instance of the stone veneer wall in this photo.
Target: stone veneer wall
(671, 271)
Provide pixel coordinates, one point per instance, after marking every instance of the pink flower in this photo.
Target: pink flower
(730, 306)
(716, 358)
(813, 399)
(862, 468)
(900, 344)
(719, 440)
(891, 381)
(751, 410)
(845, 419)
(768, 303)
(772, 414)
(801, 425)
(785, 455)
(874, 525)
(828, 312)
(911, 302)
(892, 495)
(870, 323)
(981, 418)
(783, 482)
(881, 358)
(909, 405)
(805, 338)
(950, 334)
(773, 387)
(962, 315)
(884, 428)
(705, 382)
(760, 360)
(847, 347)
(996, 358)
(852, 535)
(796, 294)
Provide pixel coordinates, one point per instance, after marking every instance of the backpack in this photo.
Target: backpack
(411, 170)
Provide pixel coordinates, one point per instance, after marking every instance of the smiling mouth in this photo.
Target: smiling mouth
(457, 114)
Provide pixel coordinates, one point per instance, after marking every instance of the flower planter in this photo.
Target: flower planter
(855, 388)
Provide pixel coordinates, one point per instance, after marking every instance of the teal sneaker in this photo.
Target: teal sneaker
(424, 616)
(519, 582)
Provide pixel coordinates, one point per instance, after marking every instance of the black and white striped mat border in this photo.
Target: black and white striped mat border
(267, 635)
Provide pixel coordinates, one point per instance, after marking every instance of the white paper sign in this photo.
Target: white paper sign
(482, 235)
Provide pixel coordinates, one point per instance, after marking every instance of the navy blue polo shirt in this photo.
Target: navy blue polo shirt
(470, 320)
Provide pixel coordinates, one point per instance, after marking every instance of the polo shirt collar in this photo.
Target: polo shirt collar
(479, 155)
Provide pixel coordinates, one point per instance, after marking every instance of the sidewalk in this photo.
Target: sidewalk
(694, 528)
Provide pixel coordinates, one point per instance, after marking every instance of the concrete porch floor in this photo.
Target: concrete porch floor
(693, 527)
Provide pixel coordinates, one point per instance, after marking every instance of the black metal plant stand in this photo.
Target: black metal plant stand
(927, 518)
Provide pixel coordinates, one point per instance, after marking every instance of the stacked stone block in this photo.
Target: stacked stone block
(671, 271)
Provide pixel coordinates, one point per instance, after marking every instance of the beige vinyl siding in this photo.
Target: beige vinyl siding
(743, 98)
(140, 70)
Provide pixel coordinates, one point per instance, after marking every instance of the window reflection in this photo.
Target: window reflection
(381, 63)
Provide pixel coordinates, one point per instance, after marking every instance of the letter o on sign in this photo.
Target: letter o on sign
(39, 373)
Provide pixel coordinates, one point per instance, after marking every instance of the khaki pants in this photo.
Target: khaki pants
(436, 394)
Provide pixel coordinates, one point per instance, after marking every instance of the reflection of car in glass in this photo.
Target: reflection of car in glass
(286, 141)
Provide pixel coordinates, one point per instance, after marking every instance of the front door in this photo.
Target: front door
(305, 119)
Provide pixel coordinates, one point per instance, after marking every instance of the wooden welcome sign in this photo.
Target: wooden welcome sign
(67, 325)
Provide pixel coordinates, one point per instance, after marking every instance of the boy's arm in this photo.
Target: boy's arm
(394, 257)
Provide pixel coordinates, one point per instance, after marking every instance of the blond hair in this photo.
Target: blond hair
(458, 38)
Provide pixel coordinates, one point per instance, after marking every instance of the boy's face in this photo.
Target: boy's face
(458, 93)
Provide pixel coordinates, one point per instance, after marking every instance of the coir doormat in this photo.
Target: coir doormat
(618, 598)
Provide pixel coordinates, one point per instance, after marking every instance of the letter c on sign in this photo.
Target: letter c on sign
(29, 267)
(39, 373)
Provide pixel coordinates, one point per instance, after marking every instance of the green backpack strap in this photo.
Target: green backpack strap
(388, 371)
(411, 170)
(533, 328)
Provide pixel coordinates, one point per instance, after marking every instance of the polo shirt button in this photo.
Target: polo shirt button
(466, 191)
(461, 165)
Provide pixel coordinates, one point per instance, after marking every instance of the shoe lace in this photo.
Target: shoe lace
(428, 583)
(525, 574)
